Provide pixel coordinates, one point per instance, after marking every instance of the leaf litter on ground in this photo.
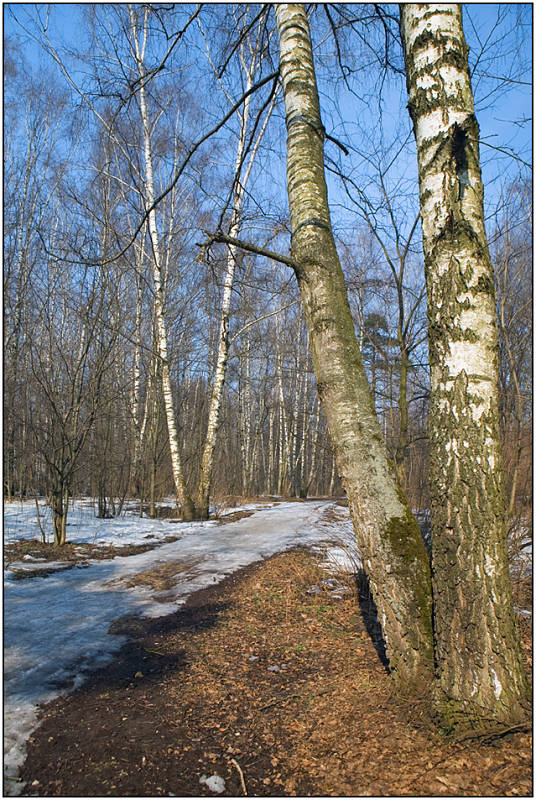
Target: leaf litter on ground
(326, 725)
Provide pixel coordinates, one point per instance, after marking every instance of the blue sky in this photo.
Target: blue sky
(479, 19)
(505, 124)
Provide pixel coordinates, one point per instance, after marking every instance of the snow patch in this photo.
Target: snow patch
(214, 783)
(497, 687)
(342, 555)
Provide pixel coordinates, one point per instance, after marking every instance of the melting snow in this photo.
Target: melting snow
(56, 627)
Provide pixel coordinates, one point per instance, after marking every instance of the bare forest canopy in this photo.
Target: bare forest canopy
(144, 355)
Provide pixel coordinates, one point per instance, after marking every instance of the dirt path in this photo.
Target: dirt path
(59, 606)
(269, 680)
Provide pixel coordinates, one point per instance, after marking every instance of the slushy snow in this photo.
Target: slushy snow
(56, 626)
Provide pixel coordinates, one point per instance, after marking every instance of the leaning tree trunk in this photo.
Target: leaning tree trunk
(480, 674)
(387, 533)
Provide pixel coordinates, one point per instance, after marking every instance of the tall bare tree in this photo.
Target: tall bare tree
(140, 44)
(250, 57)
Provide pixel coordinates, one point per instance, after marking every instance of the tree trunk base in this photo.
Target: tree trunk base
(460, 721)
(191, 513)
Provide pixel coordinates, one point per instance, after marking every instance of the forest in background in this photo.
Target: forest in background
(131, 335)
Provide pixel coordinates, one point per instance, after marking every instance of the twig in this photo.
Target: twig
(242, 781)
(279, 700)
(260, 319)
(9, 778)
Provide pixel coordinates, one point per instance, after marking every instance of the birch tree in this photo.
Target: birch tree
(183, 496)
(249, 54)
(480, 677)
(387, 533)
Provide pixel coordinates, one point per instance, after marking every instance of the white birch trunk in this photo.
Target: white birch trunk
(481, 680)
(301, 458)
(183, 497)
(271, 450)
(292, 454)
(282, 488)
(136, 373)
(244, 407)
(207, 461)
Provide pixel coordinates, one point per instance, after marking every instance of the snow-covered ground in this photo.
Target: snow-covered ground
(56, 626)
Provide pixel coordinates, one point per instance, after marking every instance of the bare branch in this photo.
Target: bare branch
(250, 248)
(260, 319)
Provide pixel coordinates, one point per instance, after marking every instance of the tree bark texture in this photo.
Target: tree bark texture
(480, 672)
(183, 496)
(387, 533)
(207, 460)
(60, 505)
